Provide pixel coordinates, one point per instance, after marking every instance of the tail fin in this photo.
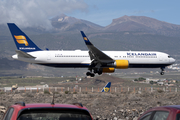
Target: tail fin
(22, 41)
(106, 88)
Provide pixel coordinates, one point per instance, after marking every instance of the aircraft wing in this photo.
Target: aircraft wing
(23, 54)
(95, 53)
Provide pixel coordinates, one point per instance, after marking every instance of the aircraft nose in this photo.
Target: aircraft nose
(172, 60)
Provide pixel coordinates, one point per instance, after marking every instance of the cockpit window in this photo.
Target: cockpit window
(169, 57)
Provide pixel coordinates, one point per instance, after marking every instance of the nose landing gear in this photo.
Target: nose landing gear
(162, 73)
(162, 70)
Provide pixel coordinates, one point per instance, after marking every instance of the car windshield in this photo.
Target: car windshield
(178, 116)
(57, 114)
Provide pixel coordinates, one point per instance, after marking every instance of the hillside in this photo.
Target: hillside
(67, 23)
(144, 25)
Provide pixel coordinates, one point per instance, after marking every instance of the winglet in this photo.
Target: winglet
(86, 40)
(107, 87)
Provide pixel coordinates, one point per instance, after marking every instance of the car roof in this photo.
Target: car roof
(166, 107)
(173, 106)
(19, 107)
(22, 105)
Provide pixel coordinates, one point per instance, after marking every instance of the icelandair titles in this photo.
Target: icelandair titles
(141, 54)
(26, 48)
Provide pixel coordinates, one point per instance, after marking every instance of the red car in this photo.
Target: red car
(45, 111)
(171, 112)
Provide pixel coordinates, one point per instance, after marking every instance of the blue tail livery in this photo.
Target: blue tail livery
(22, 41)
(86, 39)
(107, 87)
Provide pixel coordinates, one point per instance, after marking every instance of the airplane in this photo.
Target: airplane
(95, 60)
(106, 88)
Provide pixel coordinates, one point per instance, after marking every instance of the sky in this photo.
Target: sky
(103, 11)
(28, 13)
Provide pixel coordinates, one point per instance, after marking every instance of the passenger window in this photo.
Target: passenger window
(146, 116)
(8, 114)
(160, 115)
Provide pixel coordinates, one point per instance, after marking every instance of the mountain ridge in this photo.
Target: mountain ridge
(143, 24)
(67, 23)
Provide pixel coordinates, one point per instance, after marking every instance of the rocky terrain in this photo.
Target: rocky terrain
(110, 106)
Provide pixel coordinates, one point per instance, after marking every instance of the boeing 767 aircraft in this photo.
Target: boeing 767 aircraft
(95, 60)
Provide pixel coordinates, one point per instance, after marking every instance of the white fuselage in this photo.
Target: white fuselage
(78, 58)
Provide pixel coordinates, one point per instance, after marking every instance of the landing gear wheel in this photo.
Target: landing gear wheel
(99, 73)
(162, 73)
(90, 74)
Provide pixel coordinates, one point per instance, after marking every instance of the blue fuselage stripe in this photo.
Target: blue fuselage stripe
(148, 65)
(65, 65)
(88, 65)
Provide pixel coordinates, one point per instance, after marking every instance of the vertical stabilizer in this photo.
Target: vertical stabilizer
(106, 88)
(22, 41)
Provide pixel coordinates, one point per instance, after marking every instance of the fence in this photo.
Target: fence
(92, 89)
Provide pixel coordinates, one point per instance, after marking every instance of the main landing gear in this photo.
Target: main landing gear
(93, 74)
(90, 74)
(162, 71)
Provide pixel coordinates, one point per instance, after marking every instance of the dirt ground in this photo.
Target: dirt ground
(116, 106)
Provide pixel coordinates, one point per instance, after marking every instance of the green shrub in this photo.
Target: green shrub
(160, 91)
(46, 92)
(67, 92)
(85, 92)
(2, 92)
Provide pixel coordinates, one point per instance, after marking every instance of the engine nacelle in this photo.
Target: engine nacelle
(121, 64)
(108, 70)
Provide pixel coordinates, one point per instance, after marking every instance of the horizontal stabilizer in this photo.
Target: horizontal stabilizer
(23, 54)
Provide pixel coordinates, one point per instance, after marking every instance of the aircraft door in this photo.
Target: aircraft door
(160, 58)
(48, 56)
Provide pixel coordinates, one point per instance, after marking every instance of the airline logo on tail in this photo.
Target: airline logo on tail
(107, 87)
(85, 38)
(21, 39)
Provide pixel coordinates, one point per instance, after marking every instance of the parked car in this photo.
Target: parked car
(47, 111)
(171, 112)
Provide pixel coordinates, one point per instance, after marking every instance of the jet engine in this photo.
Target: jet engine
(120, 64)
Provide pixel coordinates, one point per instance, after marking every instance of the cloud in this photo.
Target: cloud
(27, 13)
